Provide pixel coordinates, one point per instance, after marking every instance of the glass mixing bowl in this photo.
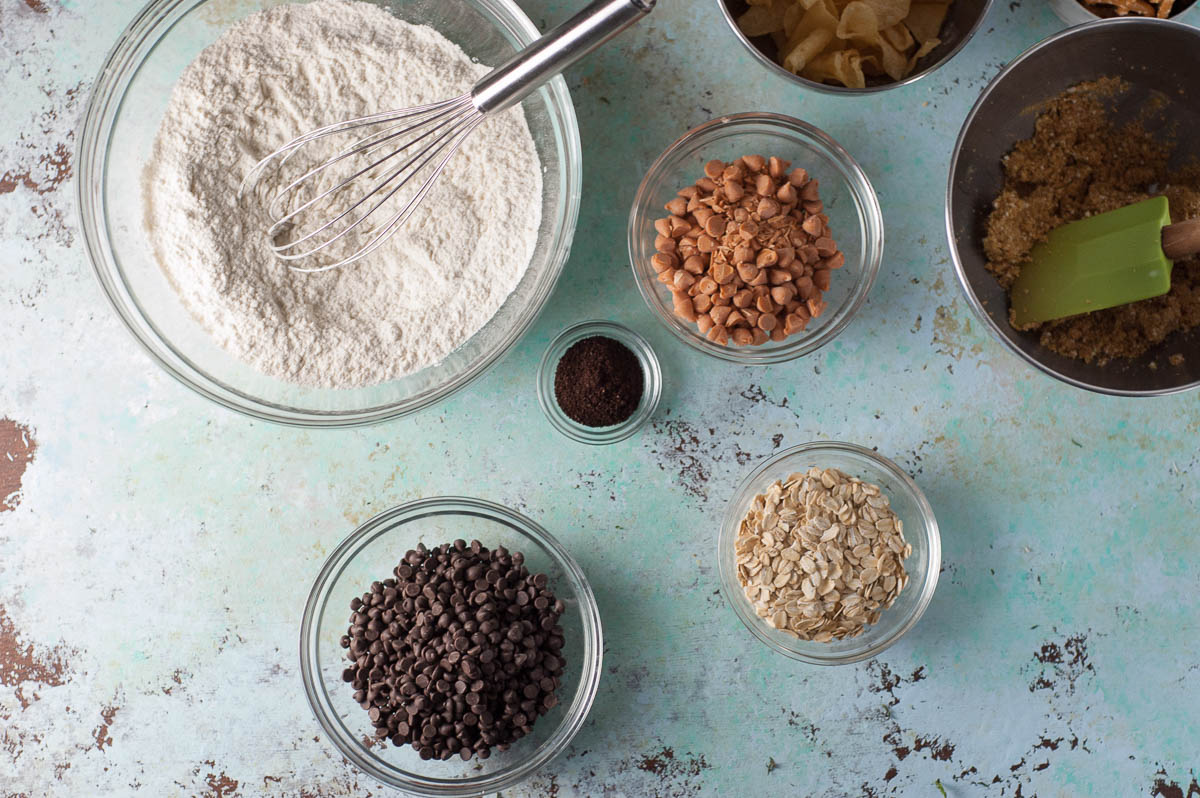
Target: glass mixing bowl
(850, 202)
(129, 99)
(369, 554)
(920, 530)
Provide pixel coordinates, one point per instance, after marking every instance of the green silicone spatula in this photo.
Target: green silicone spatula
(1103, 261)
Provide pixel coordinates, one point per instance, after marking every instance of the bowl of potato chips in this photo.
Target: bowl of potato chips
(854, 46)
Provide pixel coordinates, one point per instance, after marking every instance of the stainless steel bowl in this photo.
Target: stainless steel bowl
(1154, 56)
(1073, 12)
(964, 19)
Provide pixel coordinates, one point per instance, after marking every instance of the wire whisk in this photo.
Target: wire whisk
(396, 157)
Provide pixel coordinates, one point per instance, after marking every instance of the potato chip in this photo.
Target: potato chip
(921, 52)
(817, 18)
(925, 20)
(859, 22)
(808, 48)
(848, 41)
(895, 63)
(899, 37)
(846, 68)
(889, 12)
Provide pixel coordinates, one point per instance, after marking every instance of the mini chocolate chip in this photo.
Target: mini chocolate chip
(458, 654)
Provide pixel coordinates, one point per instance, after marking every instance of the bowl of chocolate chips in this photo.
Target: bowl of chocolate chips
(450, 647)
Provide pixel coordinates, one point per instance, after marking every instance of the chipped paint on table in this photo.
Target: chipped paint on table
(155, 550)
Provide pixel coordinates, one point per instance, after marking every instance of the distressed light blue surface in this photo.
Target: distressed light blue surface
(153, 571)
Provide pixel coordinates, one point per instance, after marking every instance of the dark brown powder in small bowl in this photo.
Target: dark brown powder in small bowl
(598, 382)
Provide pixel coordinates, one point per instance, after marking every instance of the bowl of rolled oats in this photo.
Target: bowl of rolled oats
(829, 553)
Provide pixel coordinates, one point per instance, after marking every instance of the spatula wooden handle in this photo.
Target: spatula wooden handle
(1181, 240)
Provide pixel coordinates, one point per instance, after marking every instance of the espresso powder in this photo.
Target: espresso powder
(598, 382)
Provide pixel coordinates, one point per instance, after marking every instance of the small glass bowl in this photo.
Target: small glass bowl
(920, 530)
(850, 202)
(651, 390)
(369, 554)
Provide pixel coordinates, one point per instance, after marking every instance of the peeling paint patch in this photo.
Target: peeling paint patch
(17, 450)
(1162, 788)
(39, 6)
(1059, 666)
(678, 772)
(101, 735)
(220, 786)
(937, 748)
(41, 164)
(21, 664)
(885, 682)
(54, 169)
(682, 450)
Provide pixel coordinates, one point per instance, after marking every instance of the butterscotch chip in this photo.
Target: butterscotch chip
(741, 244)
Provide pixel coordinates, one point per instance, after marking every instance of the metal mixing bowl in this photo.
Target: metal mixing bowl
(1154, 57)
(123, 115)
(963, 20)
(1073, 12)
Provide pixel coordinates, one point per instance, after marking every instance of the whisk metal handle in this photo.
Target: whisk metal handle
(512, 81)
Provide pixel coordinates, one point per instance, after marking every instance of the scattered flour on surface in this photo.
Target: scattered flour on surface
(279, 73)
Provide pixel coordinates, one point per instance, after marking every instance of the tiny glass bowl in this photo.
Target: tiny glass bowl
(920, 530)
(850, 202)
(369, 554)
(651, 382)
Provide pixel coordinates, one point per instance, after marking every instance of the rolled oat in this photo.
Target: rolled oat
(820, 555)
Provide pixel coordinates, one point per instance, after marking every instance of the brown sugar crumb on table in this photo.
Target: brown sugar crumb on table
(1079, 163)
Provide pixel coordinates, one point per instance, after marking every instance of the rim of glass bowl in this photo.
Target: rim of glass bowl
(866, 204)
(826, 88)
(381, 524)
(733, 517)
(153, 22)
(651, 393)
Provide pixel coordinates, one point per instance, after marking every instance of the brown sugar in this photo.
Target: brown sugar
(1079, 163)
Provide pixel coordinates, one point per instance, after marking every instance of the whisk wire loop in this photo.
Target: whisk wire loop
(284, 222)
(401, 216)
(452, 133)
(425, 137)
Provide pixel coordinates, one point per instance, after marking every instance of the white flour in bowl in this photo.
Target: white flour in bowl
(273, 76)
